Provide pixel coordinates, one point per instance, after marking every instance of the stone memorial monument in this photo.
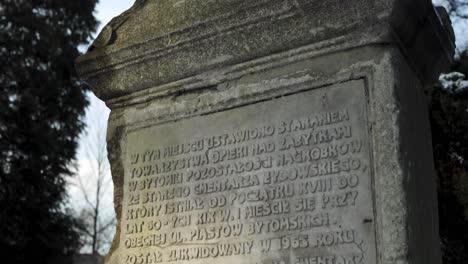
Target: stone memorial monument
(272, 131)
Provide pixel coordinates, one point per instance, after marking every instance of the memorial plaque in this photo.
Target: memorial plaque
(287, 180)
(272, 131)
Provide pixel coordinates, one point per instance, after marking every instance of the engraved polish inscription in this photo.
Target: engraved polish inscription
(277, 182)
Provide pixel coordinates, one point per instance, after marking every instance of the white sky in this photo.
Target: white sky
(97, 112)
(105, 11)
(96, 122)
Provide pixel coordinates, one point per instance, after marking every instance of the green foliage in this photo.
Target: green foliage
(449, 118)
(41, 104)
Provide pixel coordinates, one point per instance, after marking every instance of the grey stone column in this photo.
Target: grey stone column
(272, 131)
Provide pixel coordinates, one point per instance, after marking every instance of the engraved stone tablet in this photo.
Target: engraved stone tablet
(272, 131)
(286, 180)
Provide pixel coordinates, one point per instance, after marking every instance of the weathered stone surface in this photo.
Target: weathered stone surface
(225, 119)
(160, 41)
(255, 184)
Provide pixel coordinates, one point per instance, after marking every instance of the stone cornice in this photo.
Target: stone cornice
(167, 47)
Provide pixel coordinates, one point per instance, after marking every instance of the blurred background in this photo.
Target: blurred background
(56, 186)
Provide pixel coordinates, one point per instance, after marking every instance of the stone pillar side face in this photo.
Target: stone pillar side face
(316, 150)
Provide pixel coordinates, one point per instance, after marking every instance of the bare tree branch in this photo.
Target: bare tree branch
(94, 186)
